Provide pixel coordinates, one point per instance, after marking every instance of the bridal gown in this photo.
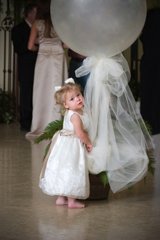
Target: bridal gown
(50, 71)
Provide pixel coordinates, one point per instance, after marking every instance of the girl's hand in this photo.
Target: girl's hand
(89, 147)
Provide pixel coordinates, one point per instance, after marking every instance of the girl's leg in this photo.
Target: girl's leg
(61, 201)
(73, 203)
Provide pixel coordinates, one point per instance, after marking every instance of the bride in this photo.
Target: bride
(50, 70)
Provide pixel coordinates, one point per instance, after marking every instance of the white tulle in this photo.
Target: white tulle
(117, 129)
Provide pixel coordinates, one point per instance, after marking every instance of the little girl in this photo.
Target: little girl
(65, 171)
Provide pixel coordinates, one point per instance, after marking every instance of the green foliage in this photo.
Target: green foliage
(50, 130)
(7, 108)
(103, 178)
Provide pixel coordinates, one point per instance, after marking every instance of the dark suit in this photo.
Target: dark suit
(150, 70)
(76, 61)
(26, 65)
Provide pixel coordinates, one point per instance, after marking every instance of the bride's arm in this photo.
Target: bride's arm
(33, 38)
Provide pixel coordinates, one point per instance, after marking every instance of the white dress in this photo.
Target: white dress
(50, 71)
(65, 170)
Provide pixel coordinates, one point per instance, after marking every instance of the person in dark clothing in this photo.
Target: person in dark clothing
(150, 70)
(26, 63)
(76, 61)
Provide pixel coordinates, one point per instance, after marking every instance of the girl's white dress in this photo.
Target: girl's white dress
(65, 170)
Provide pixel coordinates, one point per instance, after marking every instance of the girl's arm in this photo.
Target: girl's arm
(80, 132)
(33, 38)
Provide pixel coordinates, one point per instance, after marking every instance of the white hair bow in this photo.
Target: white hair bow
(68, 80)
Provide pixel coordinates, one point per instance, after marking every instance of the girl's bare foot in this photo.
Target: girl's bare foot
(75, 204)
(61, 201)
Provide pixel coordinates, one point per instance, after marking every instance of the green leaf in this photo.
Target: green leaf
(50, 130)
(103, 178)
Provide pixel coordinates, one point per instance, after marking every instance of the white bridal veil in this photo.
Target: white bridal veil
(117, 129)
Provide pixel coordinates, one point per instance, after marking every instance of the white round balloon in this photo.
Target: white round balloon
(98, 27)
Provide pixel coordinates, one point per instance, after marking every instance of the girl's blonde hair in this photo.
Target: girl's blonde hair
(60, 95)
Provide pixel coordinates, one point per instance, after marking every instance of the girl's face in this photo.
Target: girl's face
(74, 100)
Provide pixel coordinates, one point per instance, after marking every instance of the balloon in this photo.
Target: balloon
(98, 27)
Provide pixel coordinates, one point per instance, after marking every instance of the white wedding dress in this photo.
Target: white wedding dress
(50, 71)
(65, 170)
(117, 130)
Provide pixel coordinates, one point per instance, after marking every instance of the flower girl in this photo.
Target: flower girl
(65, 170)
